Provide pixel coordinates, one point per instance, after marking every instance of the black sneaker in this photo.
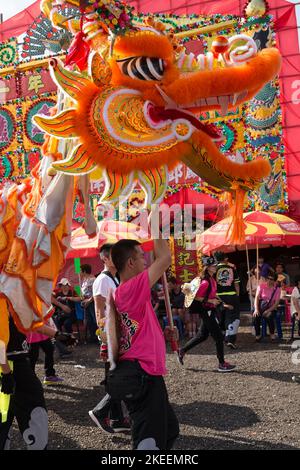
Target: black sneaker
(65, 354)
(121, 425)
(225, 367)
(180, 356)
(102, 423)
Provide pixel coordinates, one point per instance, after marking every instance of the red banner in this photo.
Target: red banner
(185, 262)
(36, 83)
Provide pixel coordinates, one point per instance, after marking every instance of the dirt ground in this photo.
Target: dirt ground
(254, 407)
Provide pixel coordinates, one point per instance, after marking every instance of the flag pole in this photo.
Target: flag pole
(173, 341)
(249, 277)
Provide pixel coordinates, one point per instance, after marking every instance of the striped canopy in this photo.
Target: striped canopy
(261, 228)
(109, 231)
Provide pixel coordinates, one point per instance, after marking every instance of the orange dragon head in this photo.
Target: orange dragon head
(136, 113)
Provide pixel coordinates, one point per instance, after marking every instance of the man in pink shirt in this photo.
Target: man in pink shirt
(138, 376)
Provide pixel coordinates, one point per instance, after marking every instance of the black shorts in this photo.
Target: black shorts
(196, 307)
(154, 424)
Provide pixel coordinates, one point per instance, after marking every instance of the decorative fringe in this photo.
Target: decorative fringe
(236, 228)
(144, 43)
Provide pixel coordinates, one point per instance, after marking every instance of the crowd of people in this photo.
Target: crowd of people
(124, 309)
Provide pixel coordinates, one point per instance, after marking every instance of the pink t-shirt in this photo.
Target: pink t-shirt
(141, 334)
(264, 292)
(36, 337)
(204, 286)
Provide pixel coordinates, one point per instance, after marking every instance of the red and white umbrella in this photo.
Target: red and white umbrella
(108, 231)
(261, 229)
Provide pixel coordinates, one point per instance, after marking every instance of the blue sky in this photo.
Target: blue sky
(11, 7)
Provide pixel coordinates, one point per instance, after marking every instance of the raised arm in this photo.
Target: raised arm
(162, 261)
(256, 302)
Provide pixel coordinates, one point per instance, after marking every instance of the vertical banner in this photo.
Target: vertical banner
(185, 263)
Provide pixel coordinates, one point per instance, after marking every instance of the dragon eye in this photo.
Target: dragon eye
(143, 68)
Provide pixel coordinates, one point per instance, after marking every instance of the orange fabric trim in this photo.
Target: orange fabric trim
(237, 226)
(143, 43)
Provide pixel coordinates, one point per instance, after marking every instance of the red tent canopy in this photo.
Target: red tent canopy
(188, 196)
(19, 23)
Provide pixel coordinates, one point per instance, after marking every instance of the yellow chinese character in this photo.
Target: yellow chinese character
(181, 241)
(184, 259)
(35, 83)
(186, 276)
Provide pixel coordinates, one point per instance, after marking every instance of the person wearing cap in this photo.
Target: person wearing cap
(205, 303)
(63, 300)
(228, 289)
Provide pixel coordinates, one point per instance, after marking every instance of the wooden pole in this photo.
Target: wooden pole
(249, 277)
(257, 271)
(167, 300)
(174, 344)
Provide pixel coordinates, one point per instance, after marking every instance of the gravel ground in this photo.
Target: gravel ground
(255, 407)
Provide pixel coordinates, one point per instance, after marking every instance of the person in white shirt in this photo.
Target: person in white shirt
(295, 306)
(105, 282)
(108, 414)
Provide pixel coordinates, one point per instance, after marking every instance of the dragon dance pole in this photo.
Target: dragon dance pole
(173, 341)
(249, 277)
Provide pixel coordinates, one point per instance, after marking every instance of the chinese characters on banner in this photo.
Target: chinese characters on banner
(185, 264)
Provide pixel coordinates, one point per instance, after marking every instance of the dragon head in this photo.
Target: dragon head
(136, 114)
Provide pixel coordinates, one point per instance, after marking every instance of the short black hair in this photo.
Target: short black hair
(272, 275)
(220, 256)
(122, 251)
(86, 268)
(105, 250)
(297, 279)
(173, 280)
